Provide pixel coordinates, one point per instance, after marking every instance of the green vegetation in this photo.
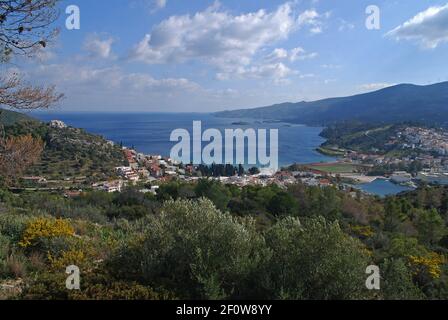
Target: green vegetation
(396, 104)
(367, 138)
(70, 153)
(360, 137)
(214, 241)
(332, 152)
(221, 170)
(334, 167)
(9, 118)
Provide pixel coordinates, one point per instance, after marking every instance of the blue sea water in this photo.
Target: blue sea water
(383, 188)
(150, 132)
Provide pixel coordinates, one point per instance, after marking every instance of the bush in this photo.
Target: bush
(42, 228)
(314, 260)
(397, 281)
(195, 251)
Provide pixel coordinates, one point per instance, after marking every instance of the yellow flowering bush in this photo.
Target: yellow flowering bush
(71, 257)
(45, 228)
(431, 263)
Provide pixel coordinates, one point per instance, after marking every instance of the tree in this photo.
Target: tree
(196, 251)
(25, 26)
(397, 281)
(283, 204)
(16, 94)
(24, 31)
(394, 216)
(215, 191)
(430, 226)
(314, 260)
(254, 171)
(241, 170)
(17, 154)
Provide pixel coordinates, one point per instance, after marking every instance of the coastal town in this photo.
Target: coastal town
(419, 154)
(353, 168)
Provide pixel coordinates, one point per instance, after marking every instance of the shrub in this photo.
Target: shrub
(314, 260)
(195, 251)
(45, 228)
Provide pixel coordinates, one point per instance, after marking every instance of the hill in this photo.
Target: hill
(71, 153)
(8, 117)
(400, 103)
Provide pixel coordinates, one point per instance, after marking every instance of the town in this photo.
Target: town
(410, 156)
(423, 158)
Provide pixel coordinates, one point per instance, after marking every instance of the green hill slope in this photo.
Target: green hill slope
(405, 102)
(71, 153)
(8, 117)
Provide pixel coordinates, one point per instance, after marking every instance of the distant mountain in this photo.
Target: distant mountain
(404, 102)
(8, 117)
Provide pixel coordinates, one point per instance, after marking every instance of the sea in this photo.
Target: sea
(382, 188)
(149, 133)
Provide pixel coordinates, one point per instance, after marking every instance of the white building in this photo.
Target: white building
(57, 124)
(123, 171)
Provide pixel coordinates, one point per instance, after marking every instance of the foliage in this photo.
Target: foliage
(431, 264)
(69, 153)
(17, 154)
(193, 249)
(315, 260)
(206, 240)
(45, 228)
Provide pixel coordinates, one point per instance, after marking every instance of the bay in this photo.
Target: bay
(150, 132)
(382, 188)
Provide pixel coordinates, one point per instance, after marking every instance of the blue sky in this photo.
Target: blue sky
(201, 56)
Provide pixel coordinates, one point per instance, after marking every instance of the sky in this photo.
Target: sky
(206, 55)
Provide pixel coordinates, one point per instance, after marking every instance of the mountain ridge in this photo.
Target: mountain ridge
(399, 103)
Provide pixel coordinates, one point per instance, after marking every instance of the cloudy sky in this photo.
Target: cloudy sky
(206, 55)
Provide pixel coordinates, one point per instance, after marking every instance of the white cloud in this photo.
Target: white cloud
(301, 54)
(276, 71)
(429, 28)
(328, 81)
(278, 54)
(331, 66)
(99, 46)
(345, 25)
(312, 19)
(308, 17)
(108, 78)
(292, 55)
(218, 37)
(113, 88)
(157, 5)
(375, 86)
(160, 3)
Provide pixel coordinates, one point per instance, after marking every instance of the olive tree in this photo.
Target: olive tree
(193, 249)
(314, 260)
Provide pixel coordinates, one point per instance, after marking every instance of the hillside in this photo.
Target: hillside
(8, 117)
(405, 102)
(71, 153)
(362, 137)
